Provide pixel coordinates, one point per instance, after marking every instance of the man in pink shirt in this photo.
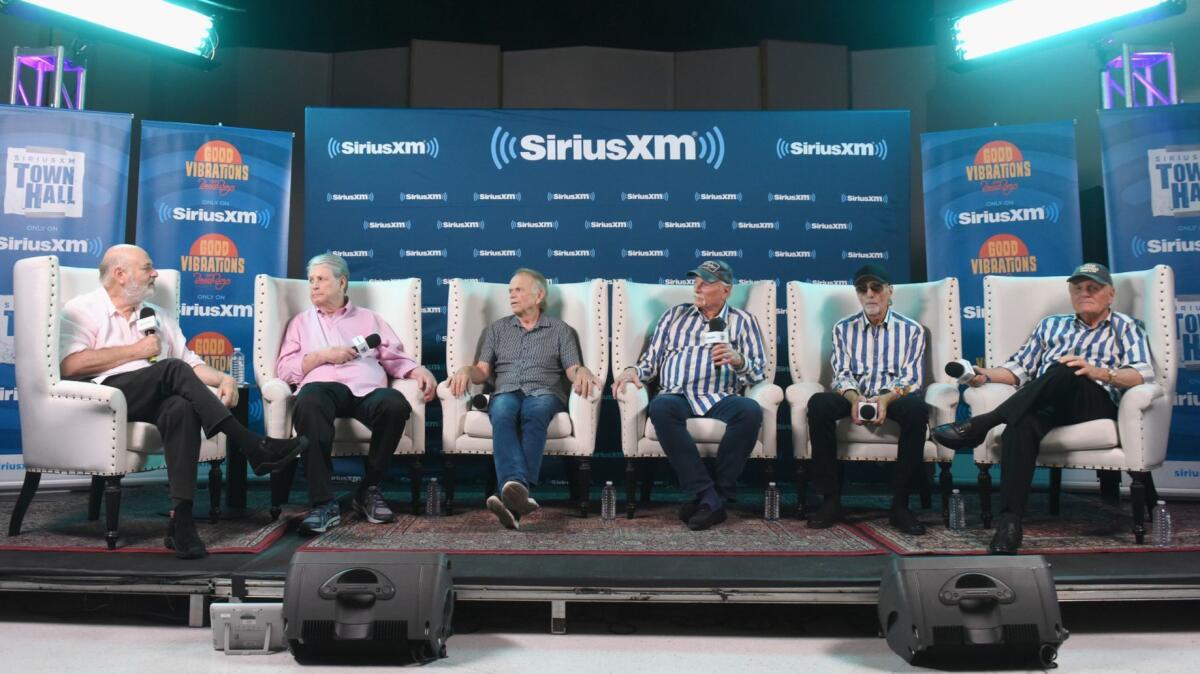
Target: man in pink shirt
(164, 383)
(335, 380)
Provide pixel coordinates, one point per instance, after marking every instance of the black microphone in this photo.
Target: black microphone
(147, 324)
(480, 401)
(365, 344)
(716, 332)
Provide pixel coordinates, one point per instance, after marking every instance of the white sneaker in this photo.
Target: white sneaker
(516, 498)
(503, 514)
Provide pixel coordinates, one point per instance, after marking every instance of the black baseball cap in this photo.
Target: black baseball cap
(713, 270)
(872, 271)
(1091, 270)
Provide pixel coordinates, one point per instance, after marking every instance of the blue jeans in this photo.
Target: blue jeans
(519, 424)
(743, 418)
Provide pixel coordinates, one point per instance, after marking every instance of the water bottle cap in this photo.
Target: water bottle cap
(954, 491)
(1162, 503)
(770, 484)
(608, 483)
(433, 479)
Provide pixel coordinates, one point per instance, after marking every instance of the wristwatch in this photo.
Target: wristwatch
(1112, 375)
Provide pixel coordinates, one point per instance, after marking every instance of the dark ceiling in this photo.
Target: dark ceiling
(663, 25)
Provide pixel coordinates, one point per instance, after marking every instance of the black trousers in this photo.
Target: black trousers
(1057, 398)
(384, 411)
(169, 395)
(824, 411)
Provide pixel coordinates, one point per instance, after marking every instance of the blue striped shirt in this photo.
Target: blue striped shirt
(681, 360)
(1117, 342)
(870, 358)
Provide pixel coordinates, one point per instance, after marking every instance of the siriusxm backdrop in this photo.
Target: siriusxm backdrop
(999, 200)
(1152, 196)
(213, 203)
(588, 194)
(66, 176)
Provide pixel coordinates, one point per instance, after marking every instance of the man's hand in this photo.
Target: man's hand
(1084, 368)
(629, 374)
(425, 382)
(724, 354)
(227, 391)
(148, 346)
(882, 402)
(853, 397)
(337, 355)
(584, 381)
(459, 381)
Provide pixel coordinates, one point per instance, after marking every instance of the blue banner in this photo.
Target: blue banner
(66, 176)
(999, 200)
(1152, 199)
(213, 203)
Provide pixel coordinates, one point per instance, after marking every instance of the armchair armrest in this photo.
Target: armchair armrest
(798, 395)
(454, 415)
(585, 417)
(94, 438)
(1143, 424)
(768, 395)
(633, 403)
(411, 391)
(277, 408)
(943, 401)
(987, 397)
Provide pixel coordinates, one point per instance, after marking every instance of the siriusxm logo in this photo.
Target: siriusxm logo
(370, 252)
(827, 282)
(336, 147)
(803, 148)
(1159, 246)
(700, 252)
(792, 254)
(492, 252)
(747, 224)
(654, 252)
(717, 196)
(433, 310)
(645, 196)
(866, 255)
(683, 224)
(828, 226)
(864, 199)
(708, 147)
(431, 252)
(1049, 213)
(446, 281)
(394, 224)
(570, 196)
(181, 214)
(217, 310)
(533, 224)
(424, 196)
(676, 281)
(581, 252)
(93, 246)
(7, 394)
(1181, 400)
(972, 312)
(608, 224)
(776, 196)
(461, 224)
(343, 196)
(496, 196)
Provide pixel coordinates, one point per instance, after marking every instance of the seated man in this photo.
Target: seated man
(335, 380)
(164, 383)
(530, 354)
(877, 357)
(702, 379)
(1072, 369)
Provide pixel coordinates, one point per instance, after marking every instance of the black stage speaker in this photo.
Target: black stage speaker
(956, 609)
(368, 605)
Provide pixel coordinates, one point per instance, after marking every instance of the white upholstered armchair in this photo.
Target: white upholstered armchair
(472, 307)
(1137, 441)
(76, 426)
(636, 310)
(276, 301)
(812, 311)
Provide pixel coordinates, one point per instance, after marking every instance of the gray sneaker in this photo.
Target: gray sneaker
(322, 518)
(516, 498)
(503, 514)
(373, 507)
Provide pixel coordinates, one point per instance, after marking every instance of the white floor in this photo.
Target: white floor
(626, 639)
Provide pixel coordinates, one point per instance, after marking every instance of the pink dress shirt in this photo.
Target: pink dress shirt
(312, 331)
(90, 321)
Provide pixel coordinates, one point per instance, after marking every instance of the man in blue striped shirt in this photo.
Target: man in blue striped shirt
(1072, 369)
(877, 357)
(704, 355)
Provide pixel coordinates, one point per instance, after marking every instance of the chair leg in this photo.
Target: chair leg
(450, 476)
(1055, 490)
(630, 488)
(1137, 490)
(214, 491)
(1110, 487)
(281, 488)
(571, 468)
(492, 484)
(95, 494)
(584, 485)
(946, 482)
(1151, 493)
(28, 489)
(416, 474)
(769, 474)
(925, 486)
(802, 489)
(985, 493)
(112, 509)
(648, 468)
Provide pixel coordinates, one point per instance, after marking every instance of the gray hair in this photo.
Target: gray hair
(335, 263)
(116, 257)
(540, 280)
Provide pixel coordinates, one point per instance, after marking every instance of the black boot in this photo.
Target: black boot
(271, 454)
(182, 536)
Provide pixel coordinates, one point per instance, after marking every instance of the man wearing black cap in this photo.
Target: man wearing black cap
(702, 369)
(1073, 368)
(877, 358)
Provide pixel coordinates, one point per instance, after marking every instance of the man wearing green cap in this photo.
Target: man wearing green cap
(1073, 368)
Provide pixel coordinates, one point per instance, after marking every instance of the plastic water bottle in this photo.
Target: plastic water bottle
(958, 512)
(1162, 525)
(237, 367)
(771, 502)
(433, 498)
(608, 501)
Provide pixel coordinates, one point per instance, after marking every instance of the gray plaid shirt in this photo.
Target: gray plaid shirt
(533, 361)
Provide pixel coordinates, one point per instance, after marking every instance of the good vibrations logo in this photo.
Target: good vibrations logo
(1004, 254)
(391, 148)
(996, 165)
(44, 182)
(214, 348)
(707, 146)
(218, 166)
(212, 259)
(874, 149)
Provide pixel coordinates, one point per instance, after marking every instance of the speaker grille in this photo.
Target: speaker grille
(1021, 633)
(317, 630)
(949, 635)
(385, 631)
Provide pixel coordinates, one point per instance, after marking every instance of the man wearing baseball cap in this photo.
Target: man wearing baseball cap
(704, 354)
(1073, 368)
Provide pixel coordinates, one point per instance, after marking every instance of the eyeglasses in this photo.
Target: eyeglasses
(874, 286)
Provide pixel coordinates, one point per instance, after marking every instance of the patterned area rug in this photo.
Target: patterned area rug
(1084, 525)
(557, 529)
(58, 522)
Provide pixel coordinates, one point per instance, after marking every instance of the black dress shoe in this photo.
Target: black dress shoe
(905, 521)
(960, 435)
(271, 454)
(688, 510)
(829, 514)
(183, 538)
(705, 517)
(1007, 539)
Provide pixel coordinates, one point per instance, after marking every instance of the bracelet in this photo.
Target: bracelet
(987, 378)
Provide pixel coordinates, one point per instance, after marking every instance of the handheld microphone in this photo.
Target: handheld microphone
(962, 370)
(147, 324)
(365, 344)
(480, 401)
(867, 410)
(716, 332)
